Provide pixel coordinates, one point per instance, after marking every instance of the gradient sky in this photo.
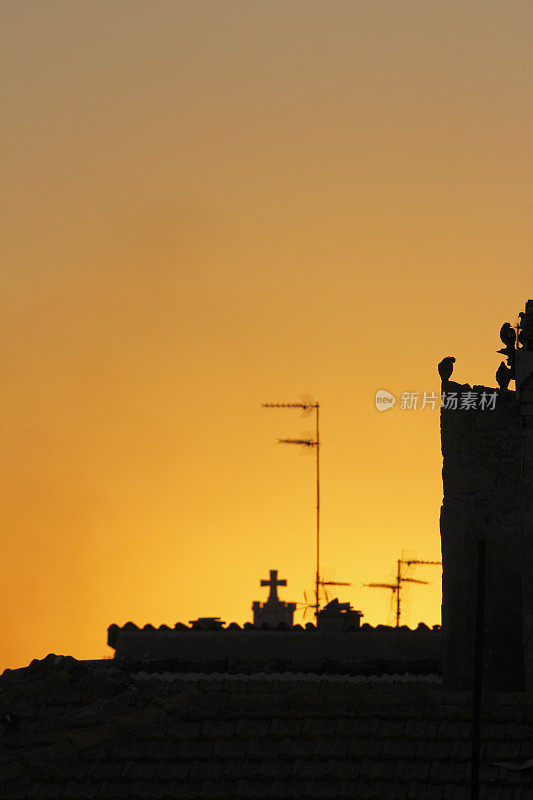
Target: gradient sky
(208, 205)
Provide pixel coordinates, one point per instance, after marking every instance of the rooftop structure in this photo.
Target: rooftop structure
(76, 730)
(274, 611)
(487, 448)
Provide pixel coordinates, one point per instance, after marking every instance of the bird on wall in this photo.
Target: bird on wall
(508, 337)
(508, 334)
(509, 352)
(503, 376)
(446, 368)
(525, 336)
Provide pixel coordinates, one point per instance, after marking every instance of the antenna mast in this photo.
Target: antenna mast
(397, 587)
(307, 407)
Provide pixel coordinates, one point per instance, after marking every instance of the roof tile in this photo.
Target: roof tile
(522, 792)
(502, 751)
(10, 770)
(309, 768)
(425, 749)
(67, 769)
(331, 746)
(42, 755)
(81, 790)
(280, 769)
(442, 749)
(197, 748)
(132, 770)
(134, 720)
(295, 748)
(267, 748)
(433, 791)
(37, 791)
(416, 790)
(348, 769)
(179, 728)
(389, 790)
(172, 770)
(416, 770)
(226, 748)
(460, 749)
(98, 770)
(126, 747)
(281, 727)
(347, 789)
(454, 791)
(346, 726)
(206, 768)
(252, 742)
(234, 768)
(105, 789)
(250, 789)
(215, 790)
(157, 731)
(488, 772)
(324, 789)
(366, 790)
(252, 727)
(372, 768)
(154, 749)
(526, 750)
(498, 793)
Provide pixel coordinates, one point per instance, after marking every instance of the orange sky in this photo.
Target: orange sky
(210, 205)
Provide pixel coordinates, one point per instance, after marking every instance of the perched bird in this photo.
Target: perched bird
(446, 368)
(503, 376)
(510, 353)
(524, 335)
(508, 334)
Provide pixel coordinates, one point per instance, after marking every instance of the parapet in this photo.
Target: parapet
(235, 644)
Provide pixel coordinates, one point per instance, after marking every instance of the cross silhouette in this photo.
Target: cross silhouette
(273, 582)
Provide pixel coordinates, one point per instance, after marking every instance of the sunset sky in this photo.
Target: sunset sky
(212, 204)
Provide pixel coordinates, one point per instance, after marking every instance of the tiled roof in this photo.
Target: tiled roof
(96, 732)
(372, 667)
(294, 649)
(211, 623)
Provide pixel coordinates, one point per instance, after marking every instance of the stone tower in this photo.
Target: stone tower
(487, 449)
(524, 385)
(274, 610)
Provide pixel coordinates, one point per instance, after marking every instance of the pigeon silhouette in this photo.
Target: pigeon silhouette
(446, 368)
(508, 334)
(503, 375)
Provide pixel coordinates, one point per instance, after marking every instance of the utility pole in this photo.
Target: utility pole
(307, 407)
(478, 671)
(400, 579)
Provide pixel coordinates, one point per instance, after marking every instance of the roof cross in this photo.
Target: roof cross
(273, 582)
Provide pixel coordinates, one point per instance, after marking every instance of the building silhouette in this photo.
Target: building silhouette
(274, 611)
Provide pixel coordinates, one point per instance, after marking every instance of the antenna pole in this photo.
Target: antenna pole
(478, 670)
(307, 407)
(398, 585)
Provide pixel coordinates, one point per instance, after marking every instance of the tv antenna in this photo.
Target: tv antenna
(308, 406)
(310, 601)
(396, 588)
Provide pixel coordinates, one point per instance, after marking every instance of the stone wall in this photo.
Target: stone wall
(481, 478)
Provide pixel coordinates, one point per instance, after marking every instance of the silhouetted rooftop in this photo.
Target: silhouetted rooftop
(214, 624)
(92, 730)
